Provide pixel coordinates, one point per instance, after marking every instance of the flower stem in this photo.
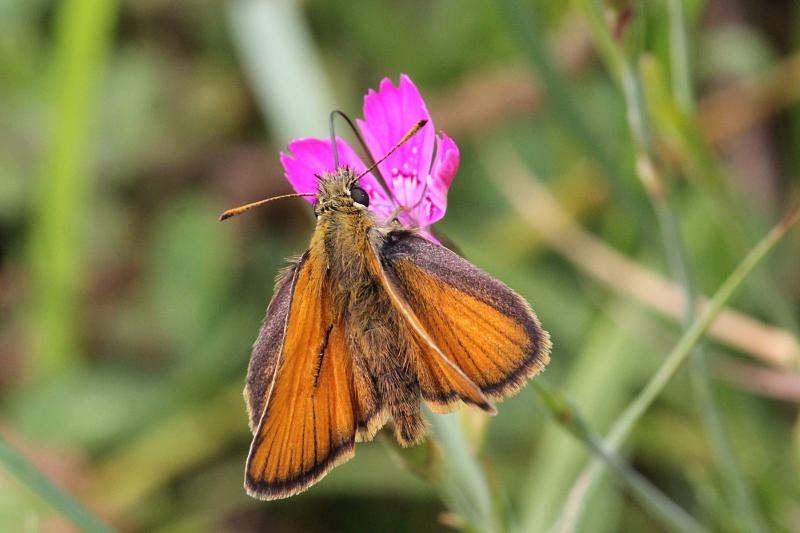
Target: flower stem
(462, 481)
(626, 422)
(37, 482)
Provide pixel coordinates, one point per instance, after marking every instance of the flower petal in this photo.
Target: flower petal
(310, 156)
(388, 115)
(416, 181)
(434, 205)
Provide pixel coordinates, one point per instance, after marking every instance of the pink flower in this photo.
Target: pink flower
(418, 180)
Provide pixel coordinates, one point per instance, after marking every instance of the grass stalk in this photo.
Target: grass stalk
(462, 481)
(561, 410)
(653, 183)
(280, 81)
(636, 409)
(710, 417)
(671, 516)
(679, 56)
(30, 476)
(83, 33)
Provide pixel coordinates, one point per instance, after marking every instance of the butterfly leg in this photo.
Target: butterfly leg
(401, 209)
(394, 215)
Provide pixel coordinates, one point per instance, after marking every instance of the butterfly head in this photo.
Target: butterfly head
(339, 191)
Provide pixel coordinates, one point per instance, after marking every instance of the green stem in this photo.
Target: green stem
(30, 476)
(559, 92)
(679, 57)
(704, 172)
(626, 422)
(462, 483)
(83, 39)
(698, 374)
(722, 450)
(653, 183)
(280, 80)
(648, 495)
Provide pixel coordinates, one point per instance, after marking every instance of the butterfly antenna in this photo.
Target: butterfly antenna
(332, 128)
(413, 131)
(367, 153)
(247, 207)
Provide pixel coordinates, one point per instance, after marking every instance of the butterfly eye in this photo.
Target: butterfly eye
(359, 196)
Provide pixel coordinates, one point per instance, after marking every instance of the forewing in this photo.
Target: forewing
(268, 344)
(310, 415)
(485, 328)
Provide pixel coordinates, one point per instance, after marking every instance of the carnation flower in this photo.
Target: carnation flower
(418, 174)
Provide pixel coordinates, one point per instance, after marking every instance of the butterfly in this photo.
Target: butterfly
(369, 322)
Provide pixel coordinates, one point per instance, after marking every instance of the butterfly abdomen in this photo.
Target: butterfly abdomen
(379, 348)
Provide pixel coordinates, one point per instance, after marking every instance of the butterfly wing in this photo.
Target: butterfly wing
(488, 331)
(302, 388)
(434, 369)
(268, 345)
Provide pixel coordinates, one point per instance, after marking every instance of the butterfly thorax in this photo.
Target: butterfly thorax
(343, 232)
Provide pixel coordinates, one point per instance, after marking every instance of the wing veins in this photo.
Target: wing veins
(321, 356)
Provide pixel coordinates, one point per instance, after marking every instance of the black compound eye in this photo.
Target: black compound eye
(359, 196)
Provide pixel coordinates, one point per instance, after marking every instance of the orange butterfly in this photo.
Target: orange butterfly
(368, 321)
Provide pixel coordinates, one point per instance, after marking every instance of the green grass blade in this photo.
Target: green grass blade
(679, 56)
(710, 417)
(524, 23)
(627, 421)
(30, 476)
(61, 207)
(291, 87)
(651, 177)
(564, 411)
(462, 481)
(676, 258)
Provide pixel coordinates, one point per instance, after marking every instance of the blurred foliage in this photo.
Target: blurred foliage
(127, 311)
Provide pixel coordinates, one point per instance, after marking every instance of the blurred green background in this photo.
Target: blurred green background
(127, 311)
